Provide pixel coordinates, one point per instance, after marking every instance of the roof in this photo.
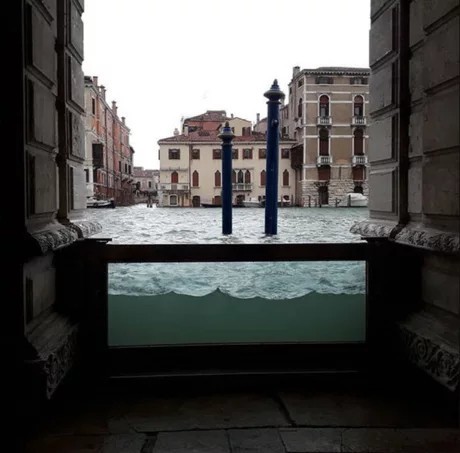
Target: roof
(212, 137)
(337, 70)
(139, 172)
(210, 115)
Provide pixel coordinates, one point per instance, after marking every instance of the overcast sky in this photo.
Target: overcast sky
(165, 59)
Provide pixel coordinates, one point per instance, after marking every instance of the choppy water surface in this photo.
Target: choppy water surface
(141, 225)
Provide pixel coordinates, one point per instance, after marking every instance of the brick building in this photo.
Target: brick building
(108, 154)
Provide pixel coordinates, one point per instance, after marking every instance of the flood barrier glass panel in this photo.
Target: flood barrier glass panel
(224, 303)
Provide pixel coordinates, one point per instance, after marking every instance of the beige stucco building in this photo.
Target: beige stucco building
(326, 116)
(191, 163)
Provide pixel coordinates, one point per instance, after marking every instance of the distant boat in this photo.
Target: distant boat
(252, 203)
(282, 203)
(353, 200)
(92, 202)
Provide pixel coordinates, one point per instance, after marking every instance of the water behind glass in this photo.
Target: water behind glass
(192, 303)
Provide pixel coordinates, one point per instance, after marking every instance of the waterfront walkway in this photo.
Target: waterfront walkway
(339, 415)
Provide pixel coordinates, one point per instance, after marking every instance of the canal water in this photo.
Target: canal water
(206, 303)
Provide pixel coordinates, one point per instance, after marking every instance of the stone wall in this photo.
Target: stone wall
(415, 167)
(337, 189)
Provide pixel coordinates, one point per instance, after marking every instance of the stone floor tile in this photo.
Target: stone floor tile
(311, 440)
(356, 410)
(255, 441)
(66, 444)
(124, 443)
(192, 442)
(205, 412)
(380, 440)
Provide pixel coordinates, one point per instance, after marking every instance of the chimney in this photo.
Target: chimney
(176, 132)
(258, 118)
(114, 107)
(123, 119)
(95, 80)
(295, 71)
(231, 115)
(102, 87)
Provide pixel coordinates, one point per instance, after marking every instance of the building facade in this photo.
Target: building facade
(191, 163)
(108, 154)
(146, 180)
(326, 116)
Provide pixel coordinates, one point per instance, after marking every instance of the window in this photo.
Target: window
(262, 153)
(129, 169)
(263, 178)
(87, 174)
(285, 178)
(247, 177)
(195, 179)
(323, 142)
(93, 106)
(324, 105)
(150, 184)
(217, 153)
(300, 109)
(173, 200)
(285, 153)
(322, 80)
(126, 168)
(234, 154)
(358, 81)
(217, 179)
(300, 82)
(195, 154)
(174, 177)
(174, 154)
(233, 177)
(358, 106)
(240, 177)
(247, 153)
(358, 139)
(119, 165)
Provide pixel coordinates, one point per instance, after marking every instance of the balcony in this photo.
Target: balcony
(241, 187)
(358, 121)
(173, 188)
(324, 121)
(358, 160)
(324, 160)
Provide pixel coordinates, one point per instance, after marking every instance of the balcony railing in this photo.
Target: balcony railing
(359, 160)
(175, 187)
(324, 120)
(324, 160)
(358, 121)
(241, 187)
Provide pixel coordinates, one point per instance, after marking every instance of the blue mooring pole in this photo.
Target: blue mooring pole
(274, 94)
(226, 136)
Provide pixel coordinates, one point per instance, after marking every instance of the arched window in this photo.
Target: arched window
(263, 178)
(300, 109)
(324, 105)
(285, 178)
(217, 180)
(247, 177)
(358, 138)
(234, 177)
(323, 142)
(358, 106)
(174, 177)
(195, 179)
(240, 177)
